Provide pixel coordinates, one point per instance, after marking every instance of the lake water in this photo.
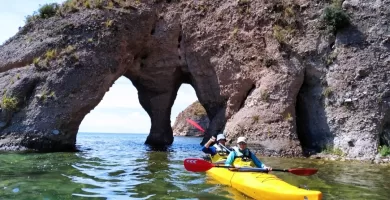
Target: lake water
(120, 166)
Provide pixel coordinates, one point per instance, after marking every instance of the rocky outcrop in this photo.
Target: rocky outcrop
(293, 76)
(195, 112)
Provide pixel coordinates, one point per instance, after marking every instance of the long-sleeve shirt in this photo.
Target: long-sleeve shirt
(256, 161)
(211, 150)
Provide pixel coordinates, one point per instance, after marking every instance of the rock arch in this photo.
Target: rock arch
(71, 62)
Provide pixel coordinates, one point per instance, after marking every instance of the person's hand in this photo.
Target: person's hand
(269, 168)
(234, 168)
(212, 139)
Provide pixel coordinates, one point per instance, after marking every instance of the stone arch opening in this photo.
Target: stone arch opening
(119, 111)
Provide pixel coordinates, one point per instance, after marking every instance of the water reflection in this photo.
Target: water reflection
(157, 181)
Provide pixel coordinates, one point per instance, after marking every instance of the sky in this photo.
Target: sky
(119, 111)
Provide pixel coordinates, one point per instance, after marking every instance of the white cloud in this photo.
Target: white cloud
(120, 111)
(116, 122)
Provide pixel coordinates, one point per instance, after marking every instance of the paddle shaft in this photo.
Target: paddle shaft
(225, 147)
(250, 169)
(200, 165)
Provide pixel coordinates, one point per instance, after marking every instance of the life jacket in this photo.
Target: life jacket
(220, 150)
(239, 154)
(243, 159)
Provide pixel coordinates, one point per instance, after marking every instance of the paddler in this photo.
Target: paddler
(244, 153)
(218, 147)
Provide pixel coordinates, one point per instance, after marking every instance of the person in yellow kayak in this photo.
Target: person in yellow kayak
(218, 147)
(245, 154)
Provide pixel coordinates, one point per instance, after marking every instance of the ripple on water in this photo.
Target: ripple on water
(120, 166)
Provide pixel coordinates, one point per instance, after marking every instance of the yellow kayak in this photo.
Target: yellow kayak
(257, 185)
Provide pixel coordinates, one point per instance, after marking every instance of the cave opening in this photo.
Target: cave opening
(384, 137)
(311, 119)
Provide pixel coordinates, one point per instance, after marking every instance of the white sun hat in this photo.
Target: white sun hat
(241, 139)
(220, 137)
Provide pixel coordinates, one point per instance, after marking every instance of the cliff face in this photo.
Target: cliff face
(195, 112)
(293, 76)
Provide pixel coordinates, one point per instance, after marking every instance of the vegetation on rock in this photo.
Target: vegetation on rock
(9, 103)
(71, 6)
(334, 17)
(384, 150)
(198, 109)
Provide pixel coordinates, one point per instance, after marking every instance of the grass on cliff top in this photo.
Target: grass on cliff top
(198, 109)
(70, 6)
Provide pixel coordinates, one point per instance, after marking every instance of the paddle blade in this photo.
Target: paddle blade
(303, 171)
(195, 124)
(197, 165)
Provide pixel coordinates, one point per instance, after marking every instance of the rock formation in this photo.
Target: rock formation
(195, 112)
(293, 76)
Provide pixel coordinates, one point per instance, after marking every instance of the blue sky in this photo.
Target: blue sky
(119, 111)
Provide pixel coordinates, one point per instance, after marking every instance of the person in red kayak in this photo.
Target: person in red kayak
(218, 147)
(243, 152)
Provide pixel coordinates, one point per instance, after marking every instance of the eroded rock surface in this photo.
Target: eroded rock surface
(273, 71)
(195, 112)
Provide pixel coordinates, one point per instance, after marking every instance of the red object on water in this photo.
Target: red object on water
(303, 171)
(197, 165)
(196, 125)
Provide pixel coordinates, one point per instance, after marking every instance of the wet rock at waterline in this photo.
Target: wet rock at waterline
(288, 75)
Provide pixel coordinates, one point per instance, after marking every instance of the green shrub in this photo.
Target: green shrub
(69, 6)
(51, 54)
(9, 103)
(31, 18)
(279, 34)
(48, 10)
(198, 109)
(384, 150)
(335, 18)
(36, 61)
(331, 150)
(288, 117)
(108, 23)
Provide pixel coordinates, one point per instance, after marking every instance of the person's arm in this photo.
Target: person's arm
(211, 140)
(230, 159)
(257, 162)
(211, 150)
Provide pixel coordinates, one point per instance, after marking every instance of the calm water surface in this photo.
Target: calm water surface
(120, 166)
